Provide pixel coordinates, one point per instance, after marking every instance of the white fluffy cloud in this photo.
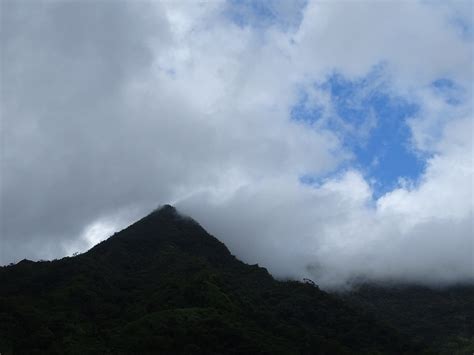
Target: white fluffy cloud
(111, 109)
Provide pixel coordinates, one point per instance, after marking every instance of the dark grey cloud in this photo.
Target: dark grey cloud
(111, 108)
(65, 66)
(92, 125)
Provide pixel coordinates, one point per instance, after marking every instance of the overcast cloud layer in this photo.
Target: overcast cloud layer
(109, 109)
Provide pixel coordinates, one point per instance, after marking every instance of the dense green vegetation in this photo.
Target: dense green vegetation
(164, 285)
(441, 318)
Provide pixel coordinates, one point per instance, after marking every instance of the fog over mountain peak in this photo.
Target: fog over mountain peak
(329, 140)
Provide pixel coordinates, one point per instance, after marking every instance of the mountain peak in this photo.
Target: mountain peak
(163, 214)
(165, 285)
(166, 208)
(162, 229)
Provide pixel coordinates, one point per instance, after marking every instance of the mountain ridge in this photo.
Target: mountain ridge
(165, 285)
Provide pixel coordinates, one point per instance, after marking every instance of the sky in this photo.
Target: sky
(323, 139)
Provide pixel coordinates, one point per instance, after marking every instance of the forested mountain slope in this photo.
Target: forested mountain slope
(164, 285)
(441, 318)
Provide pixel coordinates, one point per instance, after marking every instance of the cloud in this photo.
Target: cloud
(110, 109)
(335, 235)
(353, 37)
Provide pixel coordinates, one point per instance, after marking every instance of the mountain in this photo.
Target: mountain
(440, 318)
(164, 285)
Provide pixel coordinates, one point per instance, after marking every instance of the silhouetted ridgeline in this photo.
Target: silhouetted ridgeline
(164, 285)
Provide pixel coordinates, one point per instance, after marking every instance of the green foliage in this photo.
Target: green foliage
(164, 285)
(442, 319)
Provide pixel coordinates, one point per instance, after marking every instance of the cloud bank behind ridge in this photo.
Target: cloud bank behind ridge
(112, 108)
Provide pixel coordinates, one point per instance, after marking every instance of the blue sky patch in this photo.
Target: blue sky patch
(306, 112)
(264, 13)
(371, 123)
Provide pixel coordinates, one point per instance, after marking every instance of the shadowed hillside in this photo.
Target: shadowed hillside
(441, 318)
(164, 285)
